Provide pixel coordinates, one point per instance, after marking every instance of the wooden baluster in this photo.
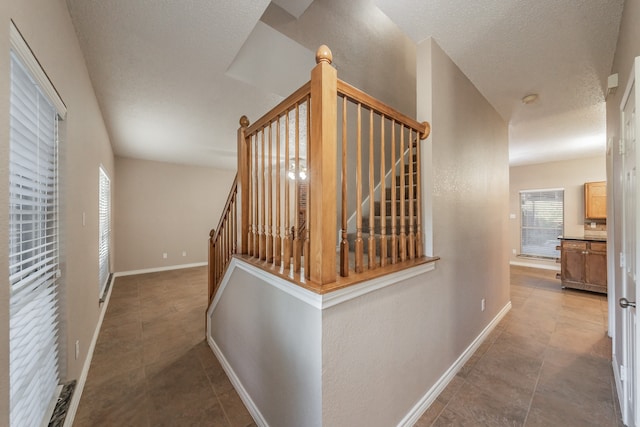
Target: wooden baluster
(256, 196)
(212, 264)
(307, 222)
(243, 183)
(412, 236)
(287, 208)
(403, 199)
(419, 237)
(383, 197)
(278, 239)
(394, 184)
(263, 200)
(251, 190)
(269, 238)
(297, 243)
(359, 261)
(344, 243)
(234, 220)
(372, 216)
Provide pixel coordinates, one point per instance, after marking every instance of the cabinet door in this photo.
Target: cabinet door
(595, 200)
(573, 258)
(596, 264)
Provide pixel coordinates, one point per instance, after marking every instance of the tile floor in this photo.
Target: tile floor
(546, 364)
(151, 365)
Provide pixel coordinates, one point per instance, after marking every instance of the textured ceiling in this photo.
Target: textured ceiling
(173, 77)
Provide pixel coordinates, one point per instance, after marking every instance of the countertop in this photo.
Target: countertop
(586, 239)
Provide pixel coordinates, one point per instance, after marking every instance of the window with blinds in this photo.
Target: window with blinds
(33, 241)
(542, 213)
(104, 214)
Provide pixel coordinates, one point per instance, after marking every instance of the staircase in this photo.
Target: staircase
(389, 202)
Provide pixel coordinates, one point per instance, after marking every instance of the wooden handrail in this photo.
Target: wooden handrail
(360, 97)
(280, 109)
(223, 240)
(225, 210)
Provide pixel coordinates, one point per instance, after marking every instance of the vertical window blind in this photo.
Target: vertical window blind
(33, 246)
(541, 222)
(104, 214)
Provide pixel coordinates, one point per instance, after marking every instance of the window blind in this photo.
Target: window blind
(541, 222)
(33, 249)
(104, 213)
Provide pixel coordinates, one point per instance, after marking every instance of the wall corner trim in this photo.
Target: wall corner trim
(318, 301)
(423, 404)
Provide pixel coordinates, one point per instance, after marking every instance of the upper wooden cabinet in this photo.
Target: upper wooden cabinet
(595, 200)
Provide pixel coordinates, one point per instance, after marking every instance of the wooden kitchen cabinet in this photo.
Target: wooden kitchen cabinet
(595, 200)
(583, 264)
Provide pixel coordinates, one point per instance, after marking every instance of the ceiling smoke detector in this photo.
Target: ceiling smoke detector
(530, 99)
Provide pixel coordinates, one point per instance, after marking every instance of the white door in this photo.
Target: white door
(629, 374)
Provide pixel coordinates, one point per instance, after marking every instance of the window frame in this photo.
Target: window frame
(104, 230)
(35, 113)
(548, 251)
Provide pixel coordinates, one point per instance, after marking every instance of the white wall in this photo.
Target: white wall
(272, 341)
(384, 351)
(165, 208)
(570, 175)
(47, 28)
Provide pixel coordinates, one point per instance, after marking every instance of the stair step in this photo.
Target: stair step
(406, 192)
(378, 204)
(377, 226)
(406, 178)
(351, 238)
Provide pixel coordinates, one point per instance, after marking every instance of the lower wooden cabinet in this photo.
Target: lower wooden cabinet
(583, 265)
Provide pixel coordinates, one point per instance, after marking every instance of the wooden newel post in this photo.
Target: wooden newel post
(243, 183)
(212, 267)
(322, 169)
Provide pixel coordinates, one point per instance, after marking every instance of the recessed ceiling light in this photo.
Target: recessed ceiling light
(530, 99)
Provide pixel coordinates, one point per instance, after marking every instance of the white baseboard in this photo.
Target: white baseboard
(534, 264)
(618, 384)
(77, 393)
(156, 269)
(242, 392)
(423, 404)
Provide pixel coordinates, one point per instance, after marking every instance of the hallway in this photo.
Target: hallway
(546, 364)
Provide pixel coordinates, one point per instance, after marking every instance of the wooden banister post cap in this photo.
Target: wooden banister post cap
(244, 122)
(212, 232)
(323, 54)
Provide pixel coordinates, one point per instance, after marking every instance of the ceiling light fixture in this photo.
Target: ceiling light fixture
(530, 98)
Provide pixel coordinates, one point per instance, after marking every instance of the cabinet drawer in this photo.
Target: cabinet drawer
(580, 246)
(598, 246)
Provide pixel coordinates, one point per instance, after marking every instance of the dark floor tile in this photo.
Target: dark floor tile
(430, 415)
(485, 407)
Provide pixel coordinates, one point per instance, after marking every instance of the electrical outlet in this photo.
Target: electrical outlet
(77, 349)
(164, 255)
(184, 253)
(482, 304)
(513, 251)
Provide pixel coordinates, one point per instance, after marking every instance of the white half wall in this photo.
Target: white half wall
(272, 343)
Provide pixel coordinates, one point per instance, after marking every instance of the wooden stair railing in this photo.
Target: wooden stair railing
(223, 240)
(289, 201)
